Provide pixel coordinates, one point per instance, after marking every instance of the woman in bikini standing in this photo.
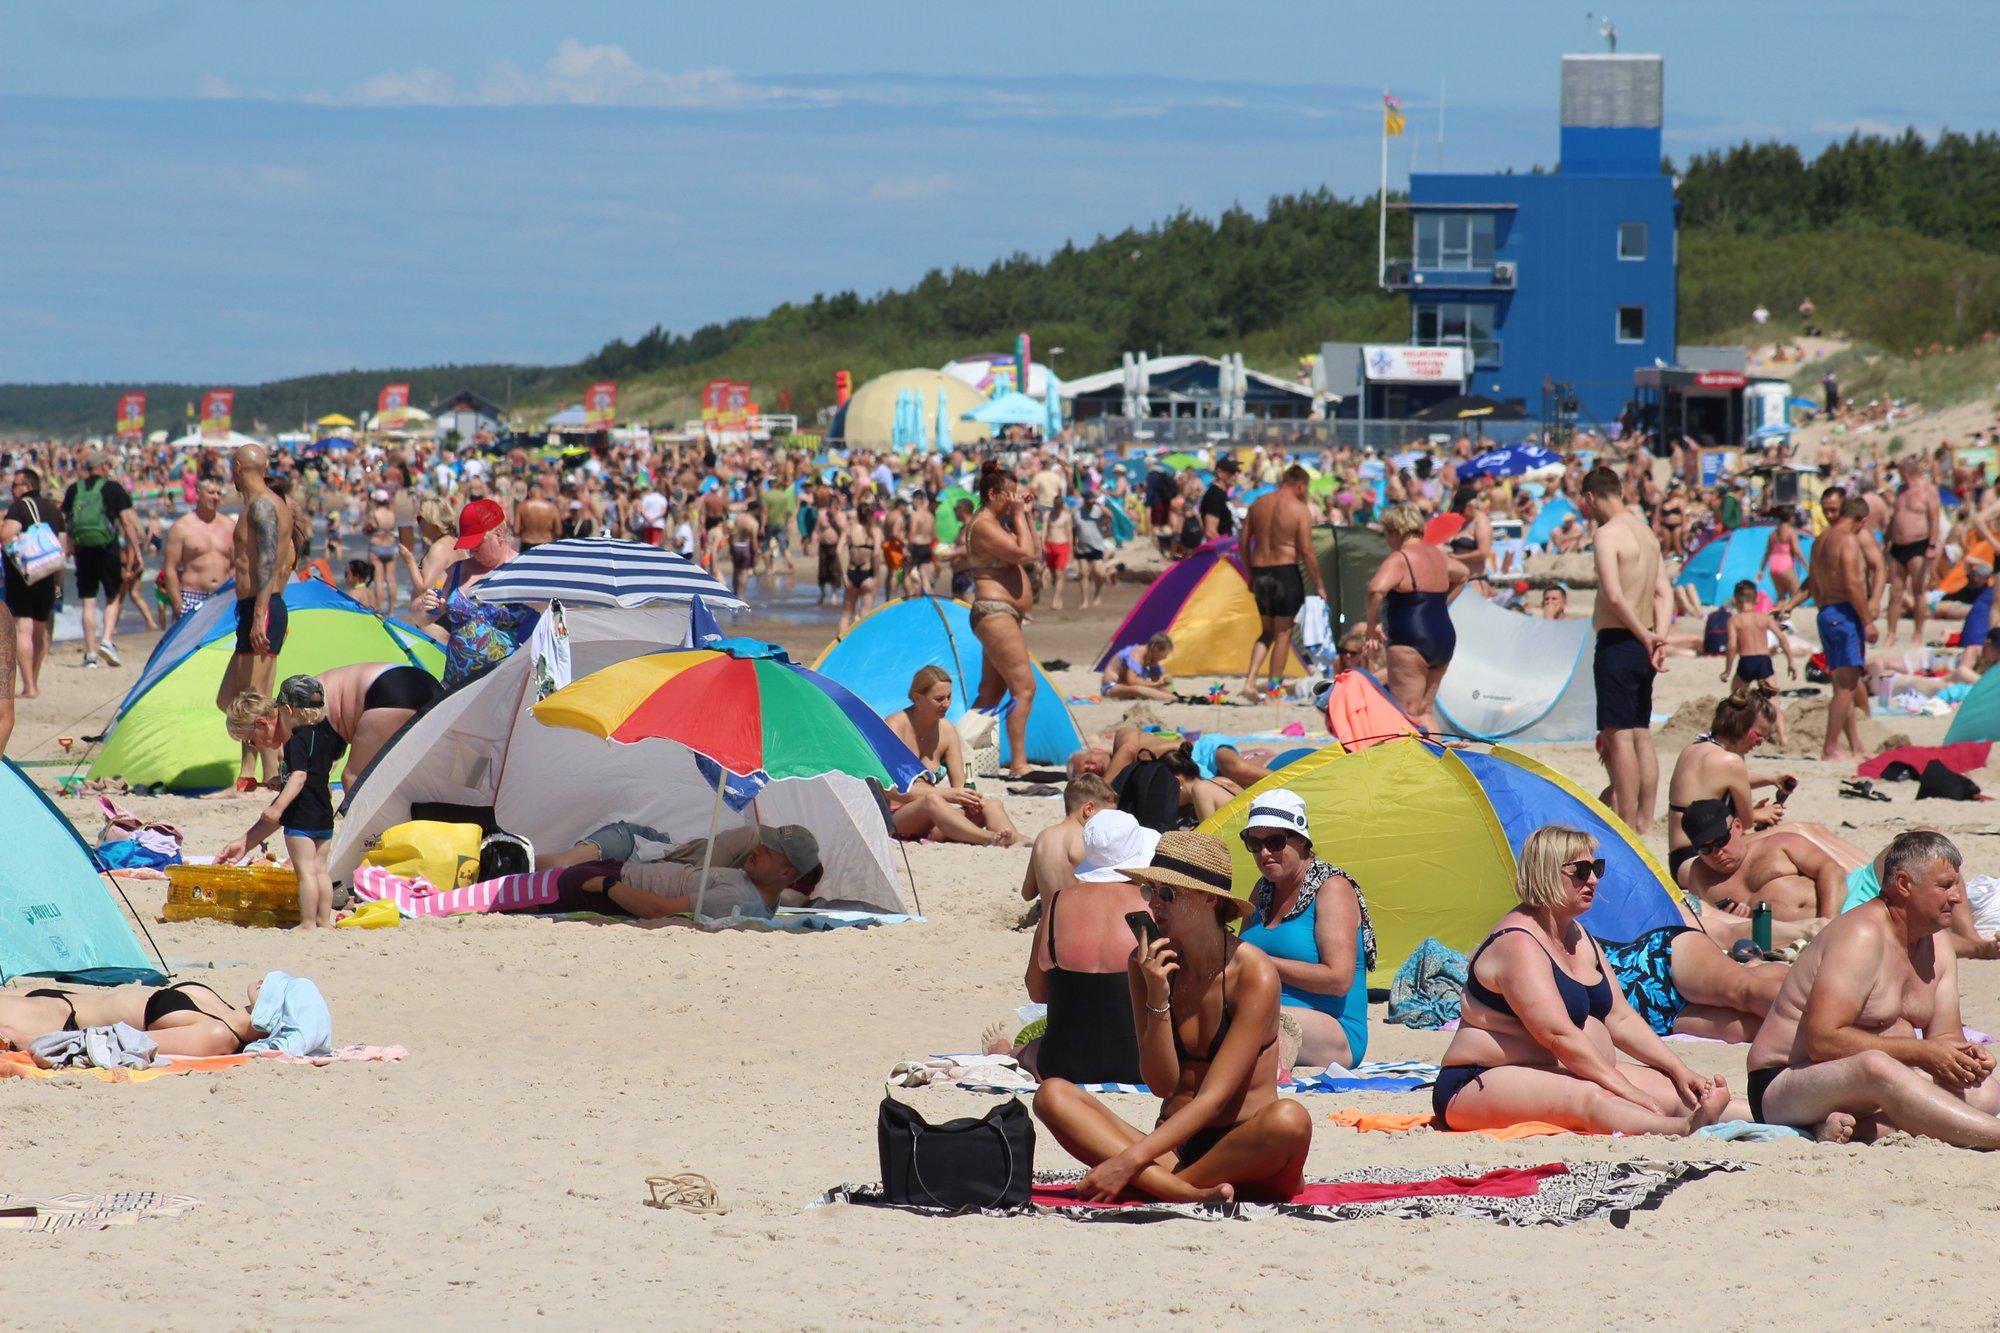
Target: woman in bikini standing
(1205, 1006)
(1000, 544)
(859, 552)
(1783, 559)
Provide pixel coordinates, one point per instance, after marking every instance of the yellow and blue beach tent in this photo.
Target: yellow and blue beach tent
(1430, 834)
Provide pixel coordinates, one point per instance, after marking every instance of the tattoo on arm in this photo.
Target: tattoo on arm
(264, 531)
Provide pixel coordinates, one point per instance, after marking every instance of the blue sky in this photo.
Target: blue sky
(236, 191)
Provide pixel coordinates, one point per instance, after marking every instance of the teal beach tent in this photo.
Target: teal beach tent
(57, 917)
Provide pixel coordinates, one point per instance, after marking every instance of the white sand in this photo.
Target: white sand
(496, 1177)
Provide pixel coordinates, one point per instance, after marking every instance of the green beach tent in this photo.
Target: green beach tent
(57, 918)
(167, 731)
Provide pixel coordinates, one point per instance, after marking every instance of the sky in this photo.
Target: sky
(232, 192)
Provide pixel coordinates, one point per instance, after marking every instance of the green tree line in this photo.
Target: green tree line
(1897, 240)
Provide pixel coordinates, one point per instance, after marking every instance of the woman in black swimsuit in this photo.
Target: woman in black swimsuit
(1410, 615)
(1543, 1020)
(860, 554)
(187, 1018)
(1205, 1007)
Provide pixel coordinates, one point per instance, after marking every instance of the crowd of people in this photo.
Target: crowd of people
(1155, 964)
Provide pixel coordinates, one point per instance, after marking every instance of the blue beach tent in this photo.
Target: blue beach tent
(883, 650)
(57, 918)
(1715, 570)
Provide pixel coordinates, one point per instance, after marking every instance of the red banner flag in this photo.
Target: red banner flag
(131, 414)
(392, 407)
(217, 406)
(736, 407)
(600, 405)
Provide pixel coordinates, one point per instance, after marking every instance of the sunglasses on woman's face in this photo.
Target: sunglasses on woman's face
(1156, 893)
(1274, 842)
(1582, 870)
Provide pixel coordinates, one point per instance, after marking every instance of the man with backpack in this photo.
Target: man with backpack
(99, 511)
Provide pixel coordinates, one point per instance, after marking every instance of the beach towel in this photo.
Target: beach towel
(1381, 1122)
(1554, 1194)
(295, 1014)
(1425, 990)
(89, 1212)
(1961, 757)
(19, 1064)
(1369, 1076)
(119, 1046)
(417, 897)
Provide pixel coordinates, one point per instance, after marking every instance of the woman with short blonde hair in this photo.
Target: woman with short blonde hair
(1409, 615)
(1543, 1019)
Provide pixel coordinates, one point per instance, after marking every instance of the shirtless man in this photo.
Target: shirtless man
(745, 538)
(1057, 848)
(199, 548)
(1634, 608)
(1277, 538)
(714, 508)
(1912, 536)
(538, 519)
(1837, 579)
(1798, 877)
(368, 703)
(1058, 545)
(1000, 544)
(261, 561)
(921, 555)
(1866, 1034)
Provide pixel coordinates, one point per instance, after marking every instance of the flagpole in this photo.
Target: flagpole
(1382, 204)
(1440, 122)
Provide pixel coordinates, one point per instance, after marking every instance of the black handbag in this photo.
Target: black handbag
(960, 1164)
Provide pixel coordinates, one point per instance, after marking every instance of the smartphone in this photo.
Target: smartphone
(1144, 928)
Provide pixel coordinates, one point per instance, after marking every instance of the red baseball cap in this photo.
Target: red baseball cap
(476, 520)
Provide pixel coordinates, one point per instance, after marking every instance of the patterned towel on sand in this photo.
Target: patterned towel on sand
(71, 1212)
(1555, 1194)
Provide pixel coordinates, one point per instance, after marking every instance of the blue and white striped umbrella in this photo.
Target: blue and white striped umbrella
(1511, 461)
(602, 571)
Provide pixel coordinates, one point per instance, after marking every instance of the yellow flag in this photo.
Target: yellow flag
(1392, 116)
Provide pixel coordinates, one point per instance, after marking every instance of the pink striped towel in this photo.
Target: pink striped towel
(416, 897)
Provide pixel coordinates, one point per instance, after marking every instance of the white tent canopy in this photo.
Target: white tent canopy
(1517, 678)
(551, 785)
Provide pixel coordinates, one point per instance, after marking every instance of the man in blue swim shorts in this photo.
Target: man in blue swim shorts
(1838, 581)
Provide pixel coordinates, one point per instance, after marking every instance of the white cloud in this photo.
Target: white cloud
(211, 86)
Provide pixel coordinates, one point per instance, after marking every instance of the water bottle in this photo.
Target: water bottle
(1760, 927)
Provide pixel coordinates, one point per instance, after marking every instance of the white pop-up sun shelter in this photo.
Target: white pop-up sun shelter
(551, 785)
(1517, 678)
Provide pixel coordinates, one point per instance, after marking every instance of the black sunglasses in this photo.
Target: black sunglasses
(1156, 893)
(1585, 869)
(1712, 846)
(1268, 843)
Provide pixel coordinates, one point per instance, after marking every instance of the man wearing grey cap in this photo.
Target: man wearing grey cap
(750, 871)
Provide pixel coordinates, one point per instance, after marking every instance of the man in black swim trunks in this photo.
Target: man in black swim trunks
(261, 565)
(1635, 605)
(1277, 540)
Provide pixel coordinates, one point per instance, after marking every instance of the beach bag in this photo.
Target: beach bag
(446, 856)
(37, 552)
(961, 1164)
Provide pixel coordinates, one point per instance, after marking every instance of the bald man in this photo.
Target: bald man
(261, 563)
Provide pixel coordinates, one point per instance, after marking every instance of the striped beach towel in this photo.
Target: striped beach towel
(418, 897)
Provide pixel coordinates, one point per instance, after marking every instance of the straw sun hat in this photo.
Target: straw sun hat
(1194, 861)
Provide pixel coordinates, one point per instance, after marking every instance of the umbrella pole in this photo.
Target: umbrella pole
(708, 852)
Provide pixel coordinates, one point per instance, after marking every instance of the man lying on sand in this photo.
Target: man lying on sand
(1865, 1034)
(1798, 877)
(749, 873)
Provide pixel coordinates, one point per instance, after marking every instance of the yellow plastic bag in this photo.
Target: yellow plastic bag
(444, 855)
(372, 916)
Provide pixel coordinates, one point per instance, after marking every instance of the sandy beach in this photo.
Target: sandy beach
(495, 1176)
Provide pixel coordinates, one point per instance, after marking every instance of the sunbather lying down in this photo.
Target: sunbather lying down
(187, 1018)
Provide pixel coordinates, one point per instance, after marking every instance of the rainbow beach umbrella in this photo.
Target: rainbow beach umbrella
(752, 712)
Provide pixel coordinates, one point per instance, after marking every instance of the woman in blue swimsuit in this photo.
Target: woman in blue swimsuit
(1408, 609)
(1543, 1020)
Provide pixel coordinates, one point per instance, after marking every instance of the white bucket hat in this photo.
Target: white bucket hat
(1114, 842)
(1279, 809)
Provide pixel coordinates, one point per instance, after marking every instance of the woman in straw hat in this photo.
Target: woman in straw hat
(1543, 1019)
(1205, 1006)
